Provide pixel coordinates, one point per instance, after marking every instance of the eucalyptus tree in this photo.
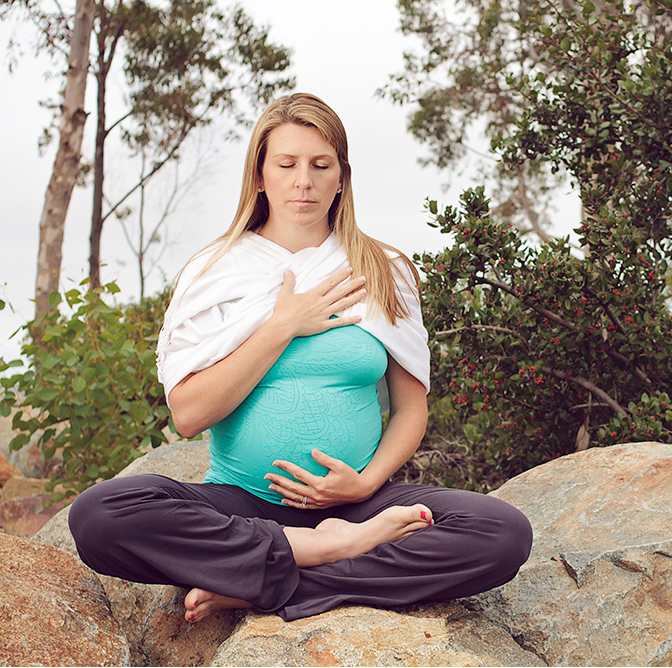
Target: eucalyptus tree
(181, 64)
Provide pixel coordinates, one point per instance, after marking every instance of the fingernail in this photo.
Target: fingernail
(423, 514)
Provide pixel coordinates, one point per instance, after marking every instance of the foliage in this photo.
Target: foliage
(90, 389)
(180, 65)
(535, 352)
(540, 350)
(466, 79)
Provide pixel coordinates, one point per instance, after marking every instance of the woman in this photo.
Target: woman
(286, 337)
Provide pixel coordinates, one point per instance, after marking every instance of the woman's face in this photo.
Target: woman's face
(301, 176)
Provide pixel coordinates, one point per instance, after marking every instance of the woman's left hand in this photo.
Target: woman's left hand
(341, 485)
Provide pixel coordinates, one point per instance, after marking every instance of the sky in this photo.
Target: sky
(342, 52)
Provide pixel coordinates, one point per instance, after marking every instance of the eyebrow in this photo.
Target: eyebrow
(314, 157)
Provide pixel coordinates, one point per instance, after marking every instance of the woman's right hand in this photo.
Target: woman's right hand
(311, 312)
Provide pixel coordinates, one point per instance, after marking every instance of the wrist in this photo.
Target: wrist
(283, 329)
(369, 485)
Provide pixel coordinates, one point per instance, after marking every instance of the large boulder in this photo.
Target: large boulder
(53, 610)
(597, 589)
(152, 616)
(438, 635)
(7, 470)
(29, 460)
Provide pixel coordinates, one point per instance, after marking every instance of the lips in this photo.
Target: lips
(303, 203)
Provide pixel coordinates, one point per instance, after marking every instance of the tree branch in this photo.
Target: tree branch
(446, 333)
(538, 309)
(591, 387)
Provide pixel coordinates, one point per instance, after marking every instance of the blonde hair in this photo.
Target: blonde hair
(366, 256)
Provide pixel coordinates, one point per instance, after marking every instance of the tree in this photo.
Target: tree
(540, 351)
(68, 155)
(464, 84)
(183, 63)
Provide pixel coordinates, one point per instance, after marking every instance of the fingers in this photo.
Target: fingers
(338, 288)
(322, 458)
(292, 490)
(289, 281)
(293, 470)
(330, 283)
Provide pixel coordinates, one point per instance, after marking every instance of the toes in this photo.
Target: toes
(424, 513)
(193, 598)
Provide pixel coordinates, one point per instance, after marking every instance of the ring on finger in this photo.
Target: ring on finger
(304, 501)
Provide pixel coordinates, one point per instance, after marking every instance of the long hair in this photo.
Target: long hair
(367, 257)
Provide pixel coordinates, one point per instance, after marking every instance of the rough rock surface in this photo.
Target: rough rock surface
(439, 635)
(597, 589)
(7, 470)
(53, 610)
(134, 605)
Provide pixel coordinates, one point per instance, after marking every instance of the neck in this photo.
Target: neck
(295, 240)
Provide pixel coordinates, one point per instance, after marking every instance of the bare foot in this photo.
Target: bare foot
(335, 539)
(200, 603)
(331, 540)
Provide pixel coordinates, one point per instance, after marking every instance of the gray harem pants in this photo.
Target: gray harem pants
(220, 538)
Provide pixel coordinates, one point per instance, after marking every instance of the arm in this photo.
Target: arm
(401, 438)
(405, 427)
(204, 398)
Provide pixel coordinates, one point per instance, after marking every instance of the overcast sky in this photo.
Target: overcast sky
(342, 52)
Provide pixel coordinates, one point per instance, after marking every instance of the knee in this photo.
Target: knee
(513, 541)
(87, 518)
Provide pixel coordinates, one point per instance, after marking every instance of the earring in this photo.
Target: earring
(260, 190)
(339, 191)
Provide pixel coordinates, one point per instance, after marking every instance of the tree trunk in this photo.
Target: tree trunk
(66, 164)
(98, 166)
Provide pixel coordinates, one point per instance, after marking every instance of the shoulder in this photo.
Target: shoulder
(403, 268)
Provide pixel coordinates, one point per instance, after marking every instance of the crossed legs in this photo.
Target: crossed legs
(239, 551)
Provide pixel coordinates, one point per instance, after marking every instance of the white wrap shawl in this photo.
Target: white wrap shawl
(209, 319)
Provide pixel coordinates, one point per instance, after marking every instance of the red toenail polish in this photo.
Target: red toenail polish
(423, 514)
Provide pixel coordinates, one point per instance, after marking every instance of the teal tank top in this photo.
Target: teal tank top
(321, 393)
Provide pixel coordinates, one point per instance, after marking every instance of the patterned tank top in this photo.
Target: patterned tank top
(321, 393)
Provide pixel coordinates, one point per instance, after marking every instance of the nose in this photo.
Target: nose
(303, 179)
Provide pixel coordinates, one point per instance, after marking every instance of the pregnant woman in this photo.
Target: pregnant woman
(286, 338)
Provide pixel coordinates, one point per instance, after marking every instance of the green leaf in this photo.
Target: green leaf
(78, 384)
(54, 299)
(46, 394)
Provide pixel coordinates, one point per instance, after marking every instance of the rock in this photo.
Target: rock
(439, 635)
(53, 610)
(17, 486)
(29, 460)
(166, 639)
(132, 603)
(23, 506)
(7, 470)
(597, 589)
